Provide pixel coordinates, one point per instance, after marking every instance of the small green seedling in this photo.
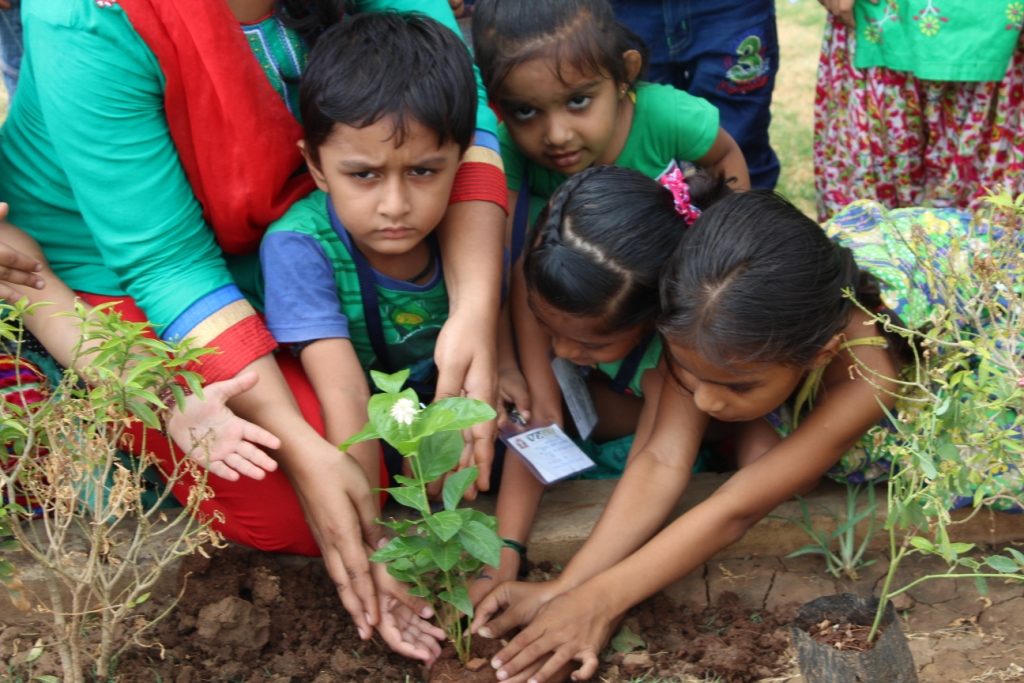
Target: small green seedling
(438, 553)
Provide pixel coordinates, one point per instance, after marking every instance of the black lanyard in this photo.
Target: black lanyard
(621, 381)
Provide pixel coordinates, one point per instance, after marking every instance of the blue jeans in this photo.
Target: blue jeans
(10, 45)
(726, 51)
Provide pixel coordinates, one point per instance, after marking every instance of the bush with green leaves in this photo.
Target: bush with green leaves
(98, 532)
(436, 552)
(960, 413)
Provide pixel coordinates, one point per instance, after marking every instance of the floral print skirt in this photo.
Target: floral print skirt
(888, 136)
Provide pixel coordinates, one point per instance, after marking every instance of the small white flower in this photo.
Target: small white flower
(404, 410)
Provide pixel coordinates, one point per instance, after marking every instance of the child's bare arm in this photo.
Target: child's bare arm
(572, 620)
(726, 159)
(534, 355)
(341, 388)
(512, 386)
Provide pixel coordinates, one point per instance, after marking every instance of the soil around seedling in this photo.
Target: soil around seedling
(259, 618)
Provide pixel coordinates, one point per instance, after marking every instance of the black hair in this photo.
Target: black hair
(310, 17)
(598, 246)
(583, 34)
(755, 280)
(385, 64)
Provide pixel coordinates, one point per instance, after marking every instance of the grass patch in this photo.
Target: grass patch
(801, 23)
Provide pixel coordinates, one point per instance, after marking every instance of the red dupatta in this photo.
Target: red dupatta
(234, 134)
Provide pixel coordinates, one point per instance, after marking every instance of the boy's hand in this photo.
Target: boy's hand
(212, 435)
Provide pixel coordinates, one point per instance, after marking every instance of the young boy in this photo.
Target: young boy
(352, 272)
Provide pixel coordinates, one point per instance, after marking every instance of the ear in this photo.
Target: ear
(634, 62)
(314, 167)
(827, 352)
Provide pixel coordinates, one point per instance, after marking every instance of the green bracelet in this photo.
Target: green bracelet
(515, 545)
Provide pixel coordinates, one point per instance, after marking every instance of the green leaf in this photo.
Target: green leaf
(454, 413)
(421, 592)
(481, 542)
(411, 497)
(627, 641)
(922, 544)
(444, 524)
(811, 549)
(47, 678)
(404, 573)
(144, 413)
(459, 598)
(1003, 565)
(397, 548)
(439, 453)
(367, 433)
(445, 555)
(390, 384)
(960, 548)
(456, 485)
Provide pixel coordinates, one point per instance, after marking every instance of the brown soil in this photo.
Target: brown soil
(842, 636)
(258, 618)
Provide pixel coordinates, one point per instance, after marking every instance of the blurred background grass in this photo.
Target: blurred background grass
(801, 23)
(800, 27)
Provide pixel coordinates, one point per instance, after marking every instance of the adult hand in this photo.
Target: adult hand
(403, 619)
(571, 627)
(16, 267)
(458, 7)
(5, 4)
(222, 442)
(341, 512)
(466, 366)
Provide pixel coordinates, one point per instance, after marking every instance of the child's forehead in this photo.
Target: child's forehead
(387, 134)
(543, 76)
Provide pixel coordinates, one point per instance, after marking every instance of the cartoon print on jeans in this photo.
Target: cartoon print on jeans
(749, 70)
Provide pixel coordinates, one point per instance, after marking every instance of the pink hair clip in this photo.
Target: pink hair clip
(676, 183)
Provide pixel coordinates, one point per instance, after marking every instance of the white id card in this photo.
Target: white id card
(577, 396)
(548, 452)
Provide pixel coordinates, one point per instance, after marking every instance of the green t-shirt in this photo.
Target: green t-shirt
(965, 40)
(313, 292)
(668, 125)
(648, 361)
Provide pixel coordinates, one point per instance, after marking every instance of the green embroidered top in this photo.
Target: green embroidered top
(953, 40)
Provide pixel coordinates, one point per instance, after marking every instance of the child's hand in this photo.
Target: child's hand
(16, 267)
(491, 577)
(212, 435)
(512, 390)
